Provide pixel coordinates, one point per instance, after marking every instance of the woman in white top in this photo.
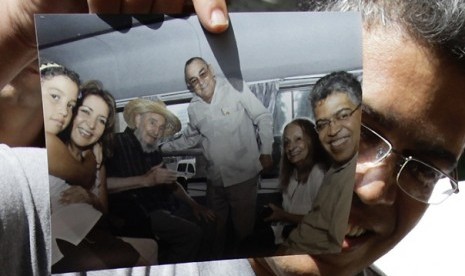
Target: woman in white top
(301, 174)
(302, 167)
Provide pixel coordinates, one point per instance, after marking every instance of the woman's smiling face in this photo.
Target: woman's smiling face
(90, 121)
(296, 144)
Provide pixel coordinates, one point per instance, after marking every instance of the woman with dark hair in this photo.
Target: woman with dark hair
(91, 134)
(60, 92)
(103, 147)
(84, 242)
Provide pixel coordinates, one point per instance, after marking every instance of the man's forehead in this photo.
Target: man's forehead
(412, 142)
(333, 103)
(428, 131)
(154, 116)
(414, 93)
(195, 67)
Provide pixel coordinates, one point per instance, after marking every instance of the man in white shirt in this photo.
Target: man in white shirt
(223, 118)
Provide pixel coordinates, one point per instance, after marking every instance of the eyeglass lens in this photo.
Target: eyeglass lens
(424, 183)
(372, 148)
(416, 178)
(203, 75)
(339, 117)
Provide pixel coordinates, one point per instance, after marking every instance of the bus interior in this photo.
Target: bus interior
(143, 57)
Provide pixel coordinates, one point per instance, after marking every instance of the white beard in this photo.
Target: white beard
(147, 148)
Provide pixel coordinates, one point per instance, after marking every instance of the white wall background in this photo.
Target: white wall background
(436, 246)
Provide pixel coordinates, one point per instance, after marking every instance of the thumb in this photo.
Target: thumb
(213, 14)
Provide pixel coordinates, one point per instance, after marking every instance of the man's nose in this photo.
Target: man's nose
(156, 131)
(201, 81)
(376, 183)
(334, 127)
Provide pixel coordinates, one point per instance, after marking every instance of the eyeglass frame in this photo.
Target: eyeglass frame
(334, 119)
(404, 161)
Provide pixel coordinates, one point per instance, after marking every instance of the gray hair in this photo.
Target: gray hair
(335, 82)
(440, 23)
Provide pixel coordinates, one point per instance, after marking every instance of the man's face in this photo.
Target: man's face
(150, 127)
(413, 96)
(200, 80)
(341, 131)
(59, 95)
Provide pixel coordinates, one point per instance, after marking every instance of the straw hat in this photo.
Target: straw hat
(140, 106)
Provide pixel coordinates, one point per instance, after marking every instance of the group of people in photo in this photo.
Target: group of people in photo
(85, 126)
(132, 211)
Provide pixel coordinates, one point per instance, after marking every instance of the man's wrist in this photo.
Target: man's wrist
(142, 179)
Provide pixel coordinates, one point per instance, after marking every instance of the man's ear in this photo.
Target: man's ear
(189, 87)
(210, 68)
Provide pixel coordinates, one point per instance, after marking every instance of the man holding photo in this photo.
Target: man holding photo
(412, 92)
(413, 82)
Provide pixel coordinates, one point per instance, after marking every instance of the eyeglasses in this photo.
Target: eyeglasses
(203, 75)
(339, 117)
(419, 180)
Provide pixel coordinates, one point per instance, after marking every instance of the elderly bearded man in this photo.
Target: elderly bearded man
(138, 180)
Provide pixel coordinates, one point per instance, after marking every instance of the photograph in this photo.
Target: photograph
(168, 144)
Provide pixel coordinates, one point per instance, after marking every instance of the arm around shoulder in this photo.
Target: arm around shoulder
(119, 184)
(188, 138)
(62, 164)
